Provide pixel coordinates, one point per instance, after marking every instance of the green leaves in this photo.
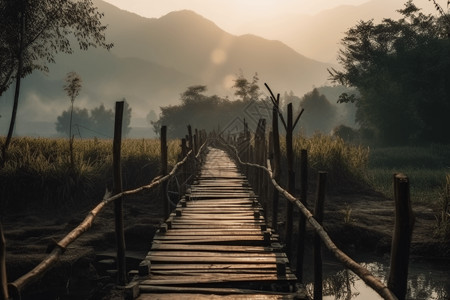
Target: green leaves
(402, 71)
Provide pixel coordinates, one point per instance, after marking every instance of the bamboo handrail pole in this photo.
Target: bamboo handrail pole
(4, 295)
(118, 204)
(347, 261)
(38, 271)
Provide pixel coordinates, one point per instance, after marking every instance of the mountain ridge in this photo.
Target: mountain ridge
(155, 59)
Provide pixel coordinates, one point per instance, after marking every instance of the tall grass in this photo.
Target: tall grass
(426, 168)
(346, 164)
(38, 173)
(442, 229)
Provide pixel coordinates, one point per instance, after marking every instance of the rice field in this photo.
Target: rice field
(38, 169)
(426, 167)
(37, 172)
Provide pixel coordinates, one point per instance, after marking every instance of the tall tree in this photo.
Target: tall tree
(402, 71)
(319, 114)
(32, 32)
(245, 89)
(72, 88)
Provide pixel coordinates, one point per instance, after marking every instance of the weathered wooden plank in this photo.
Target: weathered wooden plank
(210, 238)
(209, 291)
(215, 254)
(213, 232)
(220, 248)
(212, 259)
(226, 222)
(226, 241)
(215, 229)
(200, 266)
(192, 272)
(218, 291)
(236, 216)
(214, 226)
(193, 296)
(216, 278)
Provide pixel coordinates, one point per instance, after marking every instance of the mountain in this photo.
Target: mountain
(185, 41)
(318, 36)
(153, 61)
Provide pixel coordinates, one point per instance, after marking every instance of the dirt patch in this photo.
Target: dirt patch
(85, 271)
(365, 222)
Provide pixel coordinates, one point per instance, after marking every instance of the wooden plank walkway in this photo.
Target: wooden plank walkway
(216, 244)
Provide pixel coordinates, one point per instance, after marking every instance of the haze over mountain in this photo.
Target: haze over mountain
(155, 59)
(318, 36)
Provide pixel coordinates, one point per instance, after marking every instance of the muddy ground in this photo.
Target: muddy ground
(85, 270)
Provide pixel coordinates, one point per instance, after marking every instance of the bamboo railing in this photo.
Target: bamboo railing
(348, 262)
(404, 221)
(13, 290)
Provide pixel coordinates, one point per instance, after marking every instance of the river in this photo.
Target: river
(427, 279)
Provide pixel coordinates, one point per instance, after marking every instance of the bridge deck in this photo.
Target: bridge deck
(216, 244)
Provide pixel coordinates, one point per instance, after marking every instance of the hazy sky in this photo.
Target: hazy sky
(230, 15)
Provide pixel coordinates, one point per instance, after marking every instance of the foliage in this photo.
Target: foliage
(37, 173)
(443, 217)
(98, 122)
(319, 114)
(426, 168)
(346, 133)
(72, 87)
(402, 71)
(346, 164)
(246, 90)
(48, 28)
(213, 112)
(32, 32)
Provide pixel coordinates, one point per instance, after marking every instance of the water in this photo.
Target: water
(427, 280)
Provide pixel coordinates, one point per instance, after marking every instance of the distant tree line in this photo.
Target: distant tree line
(213, 112)
(98, 122)
(223, 115)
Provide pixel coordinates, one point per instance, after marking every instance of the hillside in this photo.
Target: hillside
(318, 36)
(154, 60)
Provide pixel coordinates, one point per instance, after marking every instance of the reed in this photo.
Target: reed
(38, 173)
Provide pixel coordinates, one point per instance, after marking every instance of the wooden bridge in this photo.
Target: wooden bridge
(217, 243)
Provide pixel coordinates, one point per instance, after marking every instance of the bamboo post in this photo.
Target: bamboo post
(276, 164)
(302, 220)
(318, 215)
(184, 152)
(190, 138)
(291, 179)
(196, 141)
(4, 295)
(195, 148)
(117, 189)
(164, 171)
(404, 223)
(261, 159)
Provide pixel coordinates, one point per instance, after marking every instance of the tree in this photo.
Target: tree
(245, 89)
(98, 122)
(79, 116)
(102, 120)
(319, 114)
(32, 32)
(402, 71)
(126, 118)
(200, 111)
(72, 87)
